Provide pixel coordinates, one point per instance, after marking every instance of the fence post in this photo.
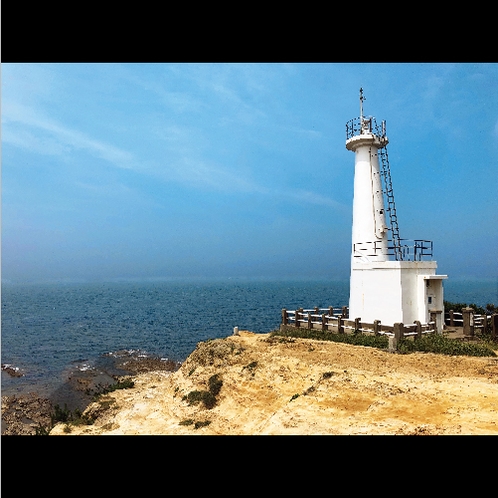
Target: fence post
(284, 317)
(345, 313)
(398, 335)
(298, 316)
(468, 322)
(436, 320)
(340, 327)
(419, 329)
(310, 325)
(377, 327)
(357, 325)
(324, 321)
(452, 319)
(494, 326)
(331, 314)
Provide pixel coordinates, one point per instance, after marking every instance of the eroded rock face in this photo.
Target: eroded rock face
(217, 352)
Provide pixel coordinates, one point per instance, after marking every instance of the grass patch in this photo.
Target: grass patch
(205, 397)
(42, 430)
(76, 417)
(68, 417)
(197, 424)
(276, 338)
(251, 367)
(100, 390)
(430, 343)
(202, 423)
(208, 398)
(379, 341)
(435, 343)
(214, 384)
(61, 414)
(187, 421)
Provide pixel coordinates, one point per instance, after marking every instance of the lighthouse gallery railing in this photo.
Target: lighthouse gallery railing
(353, 127)
(411, 250)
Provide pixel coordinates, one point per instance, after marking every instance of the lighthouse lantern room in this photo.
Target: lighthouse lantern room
(392, 279)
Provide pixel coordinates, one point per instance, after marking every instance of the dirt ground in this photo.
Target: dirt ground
(273, 385)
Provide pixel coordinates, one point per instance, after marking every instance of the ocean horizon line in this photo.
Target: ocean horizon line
(271, 278)
(175, 279)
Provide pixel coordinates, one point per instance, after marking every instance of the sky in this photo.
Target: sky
(200, 170)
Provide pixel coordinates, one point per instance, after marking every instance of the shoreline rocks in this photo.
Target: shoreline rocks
(24, 415)
(31, 414)
(11, 370)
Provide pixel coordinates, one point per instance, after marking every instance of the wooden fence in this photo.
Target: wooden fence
(470, 322)
(335, 320)
(455, 319)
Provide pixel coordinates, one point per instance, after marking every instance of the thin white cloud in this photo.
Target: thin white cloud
(302, 196)
(21, 124)
(104, 189)
(26, 139)
(313, 198)
(203, 174)
(308, 134)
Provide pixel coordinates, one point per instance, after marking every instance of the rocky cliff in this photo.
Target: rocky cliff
(259, 384)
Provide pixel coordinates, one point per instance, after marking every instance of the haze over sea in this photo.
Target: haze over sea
(51, 330)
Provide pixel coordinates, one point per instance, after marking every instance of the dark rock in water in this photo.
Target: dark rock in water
(12, 371)
(136, 363)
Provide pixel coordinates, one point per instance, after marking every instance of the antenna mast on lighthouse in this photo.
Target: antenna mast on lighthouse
(362, 98)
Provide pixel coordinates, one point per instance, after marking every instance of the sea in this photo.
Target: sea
(51, 330)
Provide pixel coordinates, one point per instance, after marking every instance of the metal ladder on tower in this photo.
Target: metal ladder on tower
(391, 206)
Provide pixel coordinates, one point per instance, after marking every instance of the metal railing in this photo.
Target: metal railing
(354, 126)
(411, 250)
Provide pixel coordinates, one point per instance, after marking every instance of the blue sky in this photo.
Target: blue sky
(145, 171)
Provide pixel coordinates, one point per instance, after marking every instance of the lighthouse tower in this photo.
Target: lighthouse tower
(392, 280)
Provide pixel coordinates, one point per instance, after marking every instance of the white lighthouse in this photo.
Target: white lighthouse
(392, 280)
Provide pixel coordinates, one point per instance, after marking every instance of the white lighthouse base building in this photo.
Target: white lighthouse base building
(396, 292)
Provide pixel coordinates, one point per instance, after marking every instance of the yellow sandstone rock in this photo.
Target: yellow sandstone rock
(276, 385)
